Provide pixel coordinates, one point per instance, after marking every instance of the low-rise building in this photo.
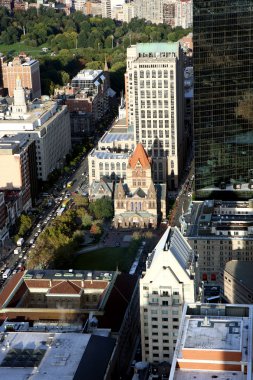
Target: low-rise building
(237, 281)
(214, 342)
(88, 99)
(55, 350)
(219, 231)
(42, 121)
(170, 280)
(110, 158)
(96, 299)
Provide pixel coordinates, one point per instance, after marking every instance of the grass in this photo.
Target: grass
(106, 259)
(16, 48)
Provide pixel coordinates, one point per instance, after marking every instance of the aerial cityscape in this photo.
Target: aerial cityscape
(126, 189)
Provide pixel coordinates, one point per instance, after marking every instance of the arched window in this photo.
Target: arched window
(123, 166)
(112, 166)
(118, 166)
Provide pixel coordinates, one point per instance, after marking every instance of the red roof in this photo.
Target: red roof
(65, 287)
(85, 284)
(141, 156)
(14, 280)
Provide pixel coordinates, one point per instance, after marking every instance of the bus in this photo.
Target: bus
(6, 273)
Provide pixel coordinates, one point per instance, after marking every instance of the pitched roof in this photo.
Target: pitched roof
(141, 156)
(65, 287)
(9, 287)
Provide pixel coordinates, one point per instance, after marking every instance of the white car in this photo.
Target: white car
(38, 225)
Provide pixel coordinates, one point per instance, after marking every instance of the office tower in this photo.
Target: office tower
(214, 342)
(27, 69)
(169, 282)
(155, 105)
(223, 122)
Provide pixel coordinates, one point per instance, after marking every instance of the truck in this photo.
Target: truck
(20, 242)
(17, 251)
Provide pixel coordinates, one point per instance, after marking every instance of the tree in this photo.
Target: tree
(95, 229)
(80, 200)
(102, 208)
(25, 223)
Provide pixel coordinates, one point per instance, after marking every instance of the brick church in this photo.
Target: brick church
(137, 201)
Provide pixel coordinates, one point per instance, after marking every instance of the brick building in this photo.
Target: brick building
(27, 69)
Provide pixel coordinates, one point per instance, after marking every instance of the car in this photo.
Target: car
(25, 257)
(31, 241)
(20, 256)
(39, 230)
(36, 234)
(38, 225)
(33, 246)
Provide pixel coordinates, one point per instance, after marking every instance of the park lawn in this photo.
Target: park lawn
(106, 259)
(16, 48)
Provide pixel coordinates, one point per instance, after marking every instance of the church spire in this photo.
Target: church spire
(106, 64)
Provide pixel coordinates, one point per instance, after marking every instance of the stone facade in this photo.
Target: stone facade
(135, 201)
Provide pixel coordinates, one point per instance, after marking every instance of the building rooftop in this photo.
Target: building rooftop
(241, 271)
(219, 219)
(157, 47)
(214, 334)
(71, 274)
(87, 75)
(13, 144)
(27, 355)
(109, 155)
(139, 156)
(213, 330)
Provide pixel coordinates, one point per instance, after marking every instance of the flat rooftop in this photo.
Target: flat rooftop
(87, 75)
(50, 356)
(60, 355)
(208, 217)
(214, 335)
(109, 155)
(67, 275)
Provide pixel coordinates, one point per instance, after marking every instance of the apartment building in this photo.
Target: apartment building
(155, 105)
(42, 121)
(170, 280)
(27, 69)
(219, 231)
(214, 342)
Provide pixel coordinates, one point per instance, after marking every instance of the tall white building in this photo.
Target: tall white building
(151, 10)
(155, 105)
(183, 13)
(170, 280)
(108, 7)
(43, 121)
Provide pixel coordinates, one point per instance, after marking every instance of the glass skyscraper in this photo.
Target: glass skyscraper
(223, 97)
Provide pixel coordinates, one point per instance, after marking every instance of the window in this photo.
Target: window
(165, 303)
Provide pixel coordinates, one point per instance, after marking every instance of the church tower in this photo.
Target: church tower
(19, 108)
